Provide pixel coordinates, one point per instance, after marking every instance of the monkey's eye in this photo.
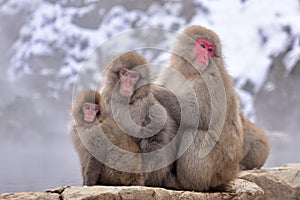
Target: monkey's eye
(86, 107)
(123, 72)
(134, 75)
(210, 49)
(202, 45)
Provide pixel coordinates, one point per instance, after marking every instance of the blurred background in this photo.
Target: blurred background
(44, 44)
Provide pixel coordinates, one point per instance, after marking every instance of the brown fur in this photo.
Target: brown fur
(256, 145)
(169, 100)
(203, 119)
(144, 111)
(91, 141)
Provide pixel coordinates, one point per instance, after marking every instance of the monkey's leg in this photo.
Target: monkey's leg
(156, 177)
(92, 171)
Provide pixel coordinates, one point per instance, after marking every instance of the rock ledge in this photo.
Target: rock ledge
(272, 183)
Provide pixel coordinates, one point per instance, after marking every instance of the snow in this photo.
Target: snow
(12, 7)
(50, 27)
(251, 33)
(293, 56)
(242, 29)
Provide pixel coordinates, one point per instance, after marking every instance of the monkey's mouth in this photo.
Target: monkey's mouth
(89, 118)
(201, 65)
(126, 93)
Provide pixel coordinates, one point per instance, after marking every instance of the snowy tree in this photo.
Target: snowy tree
(61, 39)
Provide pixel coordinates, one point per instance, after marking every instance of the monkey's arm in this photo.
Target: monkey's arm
(168, 100)
(184, 109)
(93, 141)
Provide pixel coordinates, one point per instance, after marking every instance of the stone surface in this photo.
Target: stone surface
(239, 189)
(246, 189)
(58, 190)
(272, 183)
(278, 183)
(31, 196)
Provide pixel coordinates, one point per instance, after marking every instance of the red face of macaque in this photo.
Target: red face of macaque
(205, 50)
(90, 111)
(128, 80)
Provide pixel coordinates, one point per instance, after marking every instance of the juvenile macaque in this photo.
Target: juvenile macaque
(107, 155)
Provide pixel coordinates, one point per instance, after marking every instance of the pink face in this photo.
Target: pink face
(128, 80)
(205, 50)
(90, 111)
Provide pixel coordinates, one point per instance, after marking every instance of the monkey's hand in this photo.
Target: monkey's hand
(158, 117)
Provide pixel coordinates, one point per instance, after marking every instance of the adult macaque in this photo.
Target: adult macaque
(102, 147)
(128, 93)
(256, 145)
(211, 130)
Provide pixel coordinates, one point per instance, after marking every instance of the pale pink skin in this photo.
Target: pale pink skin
(128, 80)
(90, 111)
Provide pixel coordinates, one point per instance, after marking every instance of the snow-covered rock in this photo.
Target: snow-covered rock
(251, 33)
